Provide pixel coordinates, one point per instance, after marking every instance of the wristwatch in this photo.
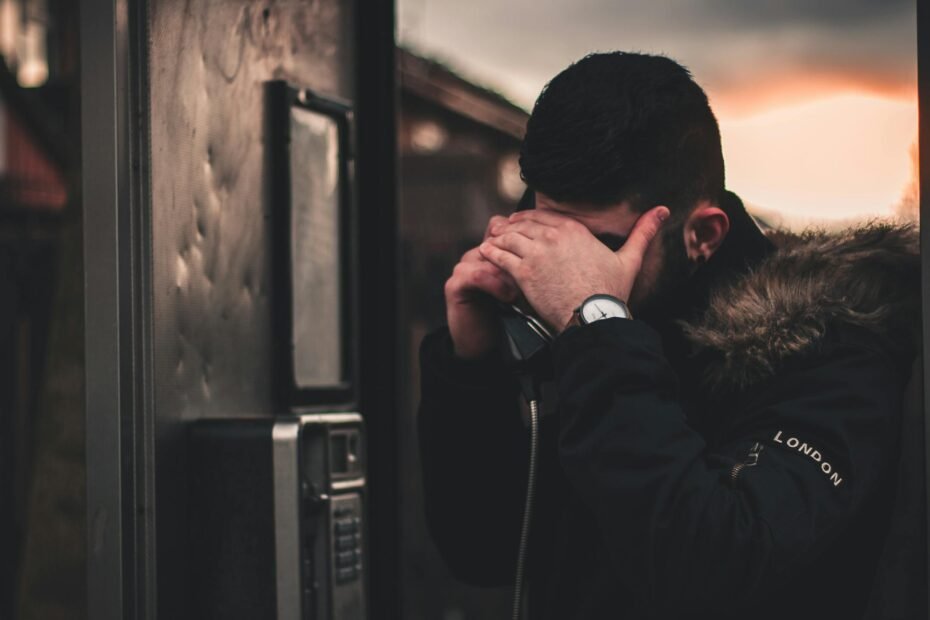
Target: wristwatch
(599, 307)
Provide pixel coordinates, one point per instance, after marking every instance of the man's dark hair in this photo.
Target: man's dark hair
(624, 126)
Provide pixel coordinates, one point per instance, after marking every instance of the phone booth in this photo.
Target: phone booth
(240, 410)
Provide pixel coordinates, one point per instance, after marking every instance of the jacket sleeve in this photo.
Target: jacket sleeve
(682, 532)
(474, 451)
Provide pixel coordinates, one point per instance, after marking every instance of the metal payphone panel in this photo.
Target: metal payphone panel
(278, 525)
(332, 523)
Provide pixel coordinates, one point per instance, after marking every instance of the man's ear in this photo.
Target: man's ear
(705, 229)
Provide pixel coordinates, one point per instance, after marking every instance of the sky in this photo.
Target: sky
(817, 101)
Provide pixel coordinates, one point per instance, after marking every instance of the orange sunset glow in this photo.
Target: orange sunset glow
(841, 156)
(817, 104)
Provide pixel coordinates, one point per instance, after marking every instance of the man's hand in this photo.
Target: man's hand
(470, 293)
(557, 263)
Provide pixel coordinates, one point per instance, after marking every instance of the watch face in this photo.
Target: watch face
(598, 308)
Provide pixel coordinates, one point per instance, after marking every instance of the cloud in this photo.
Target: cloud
(746, 54)
(831, 14)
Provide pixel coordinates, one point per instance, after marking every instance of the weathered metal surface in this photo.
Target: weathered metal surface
(212, 240)
(209, 63)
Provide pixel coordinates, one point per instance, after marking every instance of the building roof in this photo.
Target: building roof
(435, 82)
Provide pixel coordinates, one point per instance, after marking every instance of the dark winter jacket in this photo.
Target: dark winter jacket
(735, 458)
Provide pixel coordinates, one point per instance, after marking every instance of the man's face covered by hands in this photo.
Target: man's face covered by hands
(561, 253)
(610, 125)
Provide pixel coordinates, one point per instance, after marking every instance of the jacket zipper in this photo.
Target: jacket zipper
(751, 459)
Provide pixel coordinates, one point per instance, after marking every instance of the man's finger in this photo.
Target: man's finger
(513, 242)
(644, 231)
(484, 277)
(507, 261)
(473, 256)
(495, 284)
(495, 220)
(527, 228)
(540, 216)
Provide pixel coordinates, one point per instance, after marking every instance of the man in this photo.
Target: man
(728, 450)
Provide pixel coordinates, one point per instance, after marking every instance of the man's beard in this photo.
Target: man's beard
(667, 295)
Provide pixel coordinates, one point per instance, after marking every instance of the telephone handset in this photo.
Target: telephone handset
(526, 348)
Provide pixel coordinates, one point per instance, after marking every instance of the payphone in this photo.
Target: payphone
(278, 527)
(278, 502)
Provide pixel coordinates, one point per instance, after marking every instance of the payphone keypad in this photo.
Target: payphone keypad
(347, 537)
(332, 523)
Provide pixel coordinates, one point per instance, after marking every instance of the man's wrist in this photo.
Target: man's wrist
(598, 307)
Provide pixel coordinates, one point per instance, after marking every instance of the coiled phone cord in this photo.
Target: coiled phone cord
(527, 509)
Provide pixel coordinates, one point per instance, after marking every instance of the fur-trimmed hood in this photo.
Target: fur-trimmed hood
(866, 277)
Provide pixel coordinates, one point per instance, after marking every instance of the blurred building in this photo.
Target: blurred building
(41, 300)
(459, 149)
